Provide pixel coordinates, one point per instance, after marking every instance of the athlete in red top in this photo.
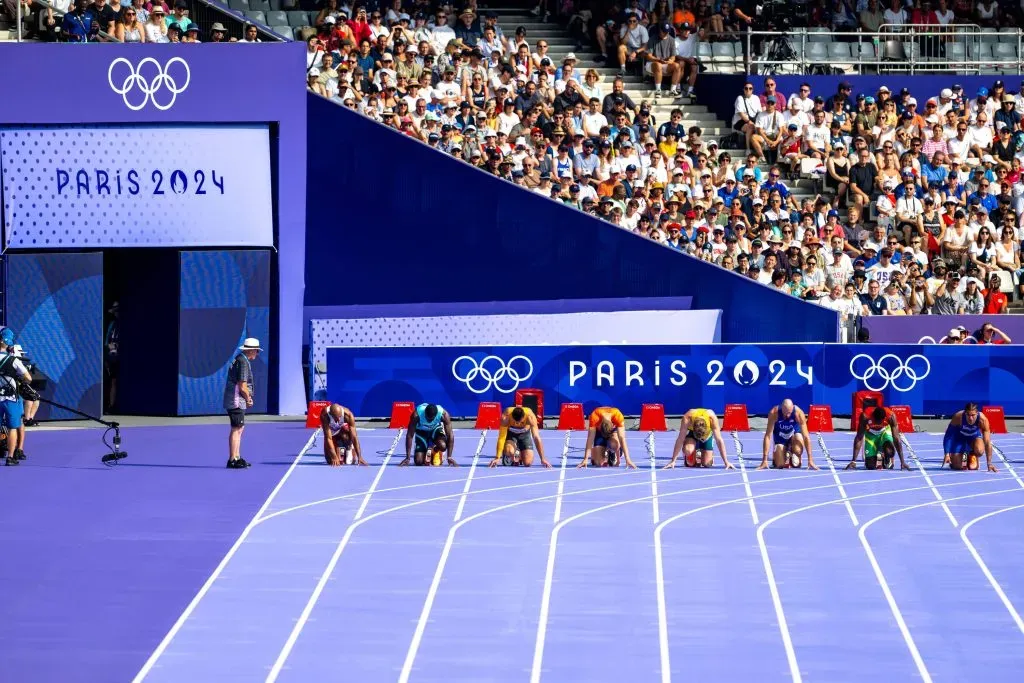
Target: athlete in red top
(606, 438)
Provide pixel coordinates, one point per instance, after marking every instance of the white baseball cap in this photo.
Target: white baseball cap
(17, 351)
(250, 344)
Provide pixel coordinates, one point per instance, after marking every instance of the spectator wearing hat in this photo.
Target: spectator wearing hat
(219, 34)
(180, 16)
(238, 397)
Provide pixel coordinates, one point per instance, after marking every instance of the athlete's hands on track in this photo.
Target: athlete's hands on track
(812, 466)
(670, 466)
(851, 466)
(583, 464)
(545, 463)
(404, 463)
(451, 462)
(729, 466)
(334, 460)
(494, 463)
(993, 468)
(763, 465)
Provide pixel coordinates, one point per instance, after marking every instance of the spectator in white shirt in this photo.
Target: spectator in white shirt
(745, 111)
(802, 99)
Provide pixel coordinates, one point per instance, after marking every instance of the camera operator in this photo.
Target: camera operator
(12, 371)
(31, 407)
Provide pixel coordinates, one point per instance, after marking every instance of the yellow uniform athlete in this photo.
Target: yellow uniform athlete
(606, 438)
(699, 431)
(517, 437)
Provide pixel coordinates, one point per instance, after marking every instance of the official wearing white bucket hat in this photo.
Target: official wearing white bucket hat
(238, 391)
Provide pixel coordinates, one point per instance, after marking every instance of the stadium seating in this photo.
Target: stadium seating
(605, 182)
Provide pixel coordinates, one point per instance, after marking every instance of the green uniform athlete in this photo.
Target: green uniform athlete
(878, 433)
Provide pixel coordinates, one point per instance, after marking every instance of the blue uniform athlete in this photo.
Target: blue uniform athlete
(967, 436)
(787, 428)
(430, 427)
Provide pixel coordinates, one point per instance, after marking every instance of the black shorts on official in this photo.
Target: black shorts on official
(237, 417)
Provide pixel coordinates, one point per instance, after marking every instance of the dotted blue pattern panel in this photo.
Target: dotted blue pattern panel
(136, 186)
(225, 297)
(55, 307)
(624, 327)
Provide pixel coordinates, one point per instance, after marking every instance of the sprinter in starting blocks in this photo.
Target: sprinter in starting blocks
(967, 437)
(787, 428)
(430, 427)
(606, 439)
(878, 432)
(517, 438)
(699, 433)
(341, 439)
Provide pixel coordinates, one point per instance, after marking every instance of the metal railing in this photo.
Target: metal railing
(202, 12)
(906, 49)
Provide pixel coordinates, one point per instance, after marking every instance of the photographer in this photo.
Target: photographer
(11, 406)
(31, 407)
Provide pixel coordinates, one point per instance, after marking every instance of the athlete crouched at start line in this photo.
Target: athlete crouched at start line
(878, 432)
(787, 427)
(699, 432)
(967, 437)
(516, 439)
(606, 439)
(430, 427)
(341, 440)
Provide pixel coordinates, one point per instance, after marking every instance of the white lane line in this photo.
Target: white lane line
(984, 566)
(205, 588)
(380, 473)
(420, 485)
(773, 586)
(746, 479)
(924, 473)
(561, 477)
(545, 605)
(922, 669)
(1006, 462)
(300, 624)
(835, 475)
(469, 479)
(654, 478)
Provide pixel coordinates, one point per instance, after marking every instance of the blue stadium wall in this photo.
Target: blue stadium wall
(55, 306)
(719, 91)
(391, 221)
(225, 297)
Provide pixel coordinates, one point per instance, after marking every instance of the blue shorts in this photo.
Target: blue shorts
(425, 438)
(785, 443)
(705, 445)
(12, 412)
(600, 440)
(957, 444)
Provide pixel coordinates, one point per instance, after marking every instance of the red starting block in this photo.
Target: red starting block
(820, 419)
(313, 413)
(571, 417)
(401, 411)
(862, 400)
(534, 400)
(735, 418)
(904, 419)
(652, 418)
(488, 415)
(996, 419)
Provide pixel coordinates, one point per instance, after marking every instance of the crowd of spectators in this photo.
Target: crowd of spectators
(922, 203)
(125, 21)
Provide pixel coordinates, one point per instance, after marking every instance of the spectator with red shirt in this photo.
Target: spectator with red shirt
(987, 335)
(995, 300)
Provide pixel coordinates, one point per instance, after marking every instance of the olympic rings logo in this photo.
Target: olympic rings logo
(492, 373)
(890, 371)
(148, 82)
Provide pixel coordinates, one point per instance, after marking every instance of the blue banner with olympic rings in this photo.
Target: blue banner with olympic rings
(931, 379)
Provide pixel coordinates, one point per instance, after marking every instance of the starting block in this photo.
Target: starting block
(820, 419)
(996, 419)
(488, 415)
(313, 413)
(401, 411)
(534, 400)
(571, 417)
(735, 418)
(652, 418)
(904, 419)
